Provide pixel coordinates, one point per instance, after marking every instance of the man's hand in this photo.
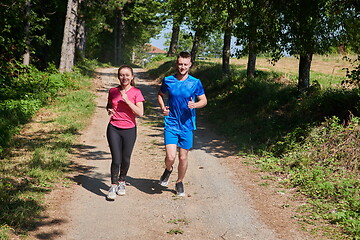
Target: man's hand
(191, 104)
(166, 111)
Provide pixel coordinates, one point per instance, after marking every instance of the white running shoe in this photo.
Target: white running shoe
(121, 189)
(112, 192)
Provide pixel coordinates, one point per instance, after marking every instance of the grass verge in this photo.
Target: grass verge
(37, 157)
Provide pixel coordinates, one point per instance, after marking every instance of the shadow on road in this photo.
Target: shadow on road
(149, 186)
(86, 152)
(92, 184)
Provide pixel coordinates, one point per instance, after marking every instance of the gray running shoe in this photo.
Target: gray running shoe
(112, 192)
(179, 187)
(164, 180)
(121, 189)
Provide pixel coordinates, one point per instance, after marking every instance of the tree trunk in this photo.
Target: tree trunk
(195, 46)
(119, 37)
(251, 60)
(226, 48)
(69, 39)
(26, 56)
(174, 38)
(80, 39)
(304, 72)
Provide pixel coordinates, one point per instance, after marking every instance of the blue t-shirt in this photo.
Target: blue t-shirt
(181, 117)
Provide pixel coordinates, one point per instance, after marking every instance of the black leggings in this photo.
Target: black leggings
(121, 143)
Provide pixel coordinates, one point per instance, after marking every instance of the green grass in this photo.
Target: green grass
(27, 175)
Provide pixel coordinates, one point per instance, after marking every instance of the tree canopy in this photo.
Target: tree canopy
(115, 30)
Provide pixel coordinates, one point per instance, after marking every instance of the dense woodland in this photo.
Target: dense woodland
(44, 45)
(47, 33)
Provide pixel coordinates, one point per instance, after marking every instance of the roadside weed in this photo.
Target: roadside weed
(175, 231)
(179, 222)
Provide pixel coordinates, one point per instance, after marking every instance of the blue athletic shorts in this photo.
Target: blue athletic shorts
(181, 139)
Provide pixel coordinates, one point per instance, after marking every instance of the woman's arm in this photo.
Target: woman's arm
(109, 108)
(137, 108)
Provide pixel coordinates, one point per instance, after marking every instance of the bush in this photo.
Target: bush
(23, 90)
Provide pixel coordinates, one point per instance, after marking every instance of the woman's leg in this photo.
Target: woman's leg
(115, 144)
(129, 138)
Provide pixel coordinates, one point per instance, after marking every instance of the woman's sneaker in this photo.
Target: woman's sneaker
(164, 180)
(112, 192)
(179, 187)
(121, 189)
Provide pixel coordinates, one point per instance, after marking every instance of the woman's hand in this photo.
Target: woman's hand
(124, 95)
(110, 111)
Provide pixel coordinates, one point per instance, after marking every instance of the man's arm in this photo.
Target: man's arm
(161, 102)
(199, 104)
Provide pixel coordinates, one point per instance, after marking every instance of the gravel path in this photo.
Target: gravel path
(217, 204)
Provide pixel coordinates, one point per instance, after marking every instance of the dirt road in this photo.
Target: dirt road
(224, 197)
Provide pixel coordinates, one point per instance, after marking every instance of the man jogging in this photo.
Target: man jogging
(185, 94)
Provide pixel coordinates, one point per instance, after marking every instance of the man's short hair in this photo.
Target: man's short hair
(184, 55)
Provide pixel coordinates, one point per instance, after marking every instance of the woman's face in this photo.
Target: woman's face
(125, 76)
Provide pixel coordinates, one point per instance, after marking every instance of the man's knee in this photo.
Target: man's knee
(183, 156)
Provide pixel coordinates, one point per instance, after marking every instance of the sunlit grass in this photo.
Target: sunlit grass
(43, 158)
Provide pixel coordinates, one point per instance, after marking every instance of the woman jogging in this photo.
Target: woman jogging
(125, 102)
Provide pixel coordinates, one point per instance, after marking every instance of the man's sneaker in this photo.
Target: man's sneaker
(179, 187)
(112, 192)
(164, 180)
(121, 189)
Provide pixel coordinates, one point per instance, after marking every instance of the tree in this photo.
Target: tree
(184, 41)
(26, 56)
(310, 27)
(177, 11)
(140, 27)
(257, 31)
(201, 20)
(22, 30)
(116, 28)
(119, 36)
(227, 44)
(225, 17)
(69, 38)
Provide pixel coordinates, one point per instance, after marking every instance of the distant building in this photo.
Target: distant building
(151, 51)
(154, 50)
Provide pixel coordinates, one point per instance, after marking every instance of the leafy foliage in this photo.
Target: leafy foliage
(23, 90)
(354, 75)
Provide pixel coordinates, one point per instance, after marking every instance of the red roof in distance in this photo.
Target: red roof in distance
(153, 49)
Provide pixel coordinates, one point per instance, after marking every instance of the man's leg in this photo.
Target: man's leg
(169, 162)
(183, 164)
(170, 156)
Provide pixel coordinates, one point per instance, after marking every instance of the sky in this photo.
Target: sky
(159, 42)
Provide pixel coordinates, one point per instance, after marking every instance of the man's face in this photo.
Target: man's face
(183, 65)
